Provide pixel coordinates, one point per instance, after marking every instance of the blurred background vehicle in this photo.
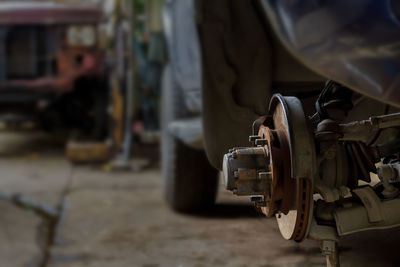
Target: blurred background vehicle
(190, 181)
(93, 73)
(68, 65)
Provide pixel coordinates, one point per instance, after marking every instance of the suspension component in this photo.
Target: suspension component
(293, 159)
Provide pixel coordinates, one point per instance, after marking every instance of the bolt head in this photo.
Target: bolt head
(261, 142)
(228, 172)
(256, 198)
(253, 138)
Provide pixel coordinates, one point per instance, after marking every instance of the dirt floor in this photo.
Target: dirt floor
(89, 216)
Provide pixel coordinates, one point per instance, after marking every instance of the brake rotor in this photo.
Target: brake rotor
(291, 160)
(282, 187)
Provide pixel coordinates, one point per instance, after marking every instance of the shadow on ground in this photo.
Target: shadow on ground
(231, 211)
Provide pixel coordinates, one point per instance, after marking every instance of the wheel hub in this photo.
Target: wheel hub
(268, 171)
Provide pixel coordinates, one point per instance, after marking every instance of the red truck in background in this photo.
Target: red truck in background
(61, 69)
(52, 68)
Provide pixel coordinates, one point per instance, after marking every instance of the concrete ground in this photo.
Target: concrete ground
(120, 219)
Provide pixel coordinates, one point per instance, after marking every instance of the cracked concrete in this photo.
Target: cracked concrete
(120, 219)
(33, 174)
(18, 235)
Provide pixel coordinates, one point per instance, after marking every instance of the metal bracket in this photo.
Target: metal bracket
(371, 202)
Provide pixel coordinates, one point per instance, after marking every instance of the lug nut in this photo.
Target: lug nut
(261, 142)
(255, 198)
(253, 138)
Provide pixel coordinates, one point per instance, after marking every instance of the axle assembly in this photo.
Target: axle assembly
(313, 173)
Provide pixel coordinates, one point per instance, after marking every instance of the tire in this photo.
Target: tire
(189, 181)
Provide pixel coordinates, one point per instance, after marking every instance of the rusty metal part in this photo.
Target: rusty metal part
(295, 224)
(302, 147)
(288, 116)
(278, 172)
(282, 186)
